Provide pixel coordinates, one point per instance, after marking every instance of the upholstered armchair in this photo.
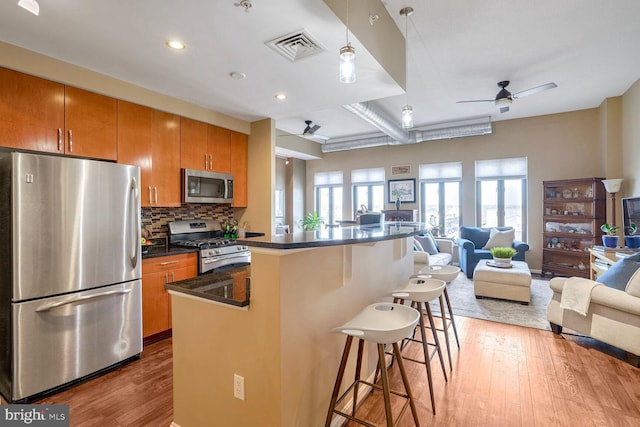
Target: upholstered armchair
(607, 310)
(472, 241)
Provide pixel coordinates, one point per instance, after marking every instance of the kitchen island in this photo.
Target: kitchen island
(280, 351)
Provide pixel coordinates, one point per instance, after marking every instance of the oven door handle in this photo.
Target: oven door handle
(225, 257)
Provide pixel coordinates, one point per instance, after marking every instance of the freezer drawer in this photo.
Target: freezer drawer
(60, 339)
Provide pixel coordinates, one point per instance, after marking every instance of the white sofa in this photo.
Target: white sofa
(613, 316)
(422, 259)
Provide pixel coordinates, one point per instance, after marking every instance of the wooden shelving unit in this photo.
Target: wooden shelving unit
(573, 211)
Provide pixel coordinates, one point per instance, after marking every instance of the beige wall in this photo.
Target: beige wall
(631, 141)
(558, 146)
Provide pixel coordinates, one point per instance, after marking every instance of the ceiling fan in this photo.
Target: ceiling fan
(504, 97)
(310, 130)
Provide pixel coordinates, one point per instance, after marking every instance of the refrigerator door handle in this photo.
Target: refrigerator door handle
(54, 305)
(134, 221)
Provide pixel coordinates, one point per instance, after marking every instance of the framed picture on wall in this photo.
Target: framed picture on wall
(403, 189)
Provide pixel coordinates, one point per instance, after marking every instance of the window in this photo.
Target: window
(368, 189)
(440, 196)
(328, 188)
(501, 187)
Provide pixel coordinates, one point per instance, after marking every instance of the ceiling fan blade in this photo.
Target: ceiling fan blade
(504, 109)
(314, 128)
(534, 90)
(477, 100)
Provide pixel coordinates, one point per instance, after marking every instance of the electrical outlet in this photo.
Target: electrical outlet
(238, 386)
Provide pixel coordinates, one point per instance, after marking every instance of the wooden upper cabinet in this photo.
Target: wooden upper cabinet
(42, 115)
(219, 142)
(32, 111)
(239, 168)
(90, 124)
(193, 144)
(150, 139)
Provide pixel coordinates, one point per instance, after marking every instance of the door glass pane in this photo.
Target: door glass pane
(361, 197)
(431, 203)
(513, 205)
(451, 208)
(322, 204)
(337, 206)
(377, 198)
(489, 203)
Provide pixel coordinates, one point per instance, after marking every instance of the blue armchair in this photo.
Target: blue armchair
(471, 242)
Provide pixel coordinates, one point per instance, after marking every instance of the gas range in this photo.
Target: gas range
(215, 251)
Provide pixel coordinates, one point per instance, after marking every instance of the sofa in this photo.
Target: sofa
(611, 315)
(423, 256)
(472, 241)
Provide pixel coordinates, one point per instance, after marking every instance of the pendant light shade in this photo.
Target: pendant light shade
(407, 110)
(407, 117)
(347, 58)
(347, 64)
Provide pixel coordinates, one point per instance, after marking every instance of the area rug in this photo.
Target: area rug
(464, 303)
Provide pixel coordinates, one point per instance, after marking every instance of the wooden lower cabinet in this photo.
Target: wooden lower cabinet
(156, 302)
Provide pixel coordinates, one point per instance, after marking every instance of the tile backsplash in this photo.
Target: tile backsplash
(155, 219)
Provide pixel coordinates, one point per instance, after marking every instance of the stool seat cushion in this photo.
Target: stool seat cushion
(421, 289)
(382, 323)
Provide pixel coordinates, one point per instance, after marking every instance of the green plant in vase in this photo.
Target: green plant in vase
(311, 221)
(610, 240)
(502, 255)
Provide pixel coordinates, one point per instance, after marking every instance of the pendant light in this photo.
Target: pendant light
(407, 110)
(347, 58)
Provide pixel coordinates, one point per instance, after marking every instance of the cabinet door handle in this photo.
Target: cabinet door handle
(168, 262)
(70, 141)
(59, 139)
(166, 278)
(205, 162)
(155, 189)
(173, 276)
(150, 200)
(210, 162)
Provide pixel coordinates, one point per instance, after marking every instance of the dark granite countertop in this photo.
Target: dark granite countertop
(162, 250)
(337, 236)
(228, 287)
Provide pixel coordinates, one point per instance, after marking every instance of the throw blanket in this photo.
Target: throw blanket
(576, 294)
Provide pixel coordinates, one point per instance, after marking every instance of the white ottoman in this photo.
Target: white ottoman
(505, 283)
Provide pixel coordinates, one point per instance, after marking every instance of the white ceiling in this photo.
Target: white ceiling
(457, 50)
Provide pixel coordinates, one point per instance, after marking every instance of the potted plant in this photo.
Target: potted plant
(311, 221)
(631, 240)
(611, 239)
(502, 255)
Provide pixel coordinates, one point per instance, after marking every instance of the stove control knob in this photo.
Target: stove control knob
(216, 251)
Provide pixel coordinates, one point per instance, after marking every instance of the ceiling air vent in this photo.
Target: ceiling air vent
(297, 45)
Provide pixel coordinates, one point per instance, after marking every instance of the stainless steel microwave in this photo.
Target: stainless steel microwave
(206, 187)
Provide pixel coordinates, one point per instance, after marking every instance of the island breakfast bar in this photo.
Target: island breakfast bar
(302, 286)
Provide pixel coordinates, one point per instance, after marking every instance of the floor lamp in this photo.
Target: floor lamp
(612, 186)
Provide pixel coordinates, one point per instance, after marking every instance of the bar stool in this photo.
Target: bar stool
(446, 273)
(420, 291)
(381, 323)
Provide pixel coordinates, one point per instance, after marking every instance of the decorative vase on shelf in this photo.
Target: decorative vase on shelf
(398, 204)
(610, 241)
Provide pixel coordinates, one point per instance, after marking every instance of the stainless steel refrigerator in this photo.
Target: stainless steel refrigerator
(70, 270)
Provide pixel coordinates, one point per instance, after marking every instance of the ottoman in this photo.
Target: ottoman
(505, 283)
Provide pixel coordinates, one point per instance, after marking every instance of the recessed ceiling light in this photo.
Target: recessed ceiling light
(175, 44)
(238, 75)
(281, 96)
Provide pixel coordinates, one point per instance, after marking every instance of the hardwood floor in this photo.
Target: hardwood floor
(503, 376)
